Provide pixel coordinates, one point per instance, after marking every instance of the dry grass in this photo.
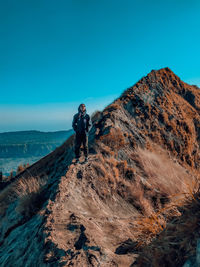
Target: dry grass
(21, 168)
(159, 170)
(112, 107)
(177, 239)
(99, 169)
(125, 171)
(156, 187)
(106, 151)
(28, 192)
(170, 231)
(160, 190)
(147, 227)
(167, 187)
(114, 139)
(155, 182)
(117, 177)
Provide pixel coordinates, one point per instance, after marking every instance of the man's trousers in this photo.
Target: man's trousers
(81, 139)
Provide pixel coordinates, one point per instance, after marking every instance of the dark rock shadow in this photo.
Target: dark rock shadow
(128, 246)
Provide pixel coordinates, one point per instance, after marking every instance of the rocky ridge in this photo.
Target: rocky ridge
(144, 148)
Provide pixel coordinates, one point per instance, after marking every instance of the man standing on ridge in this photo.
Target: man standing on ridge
(81, 124)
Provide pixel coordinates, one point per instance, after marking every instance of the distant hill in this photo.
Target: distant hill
(33, 137)
(23, 147)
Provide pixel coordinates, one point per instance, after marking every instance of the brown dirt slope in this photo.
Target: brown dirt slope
(144, 149)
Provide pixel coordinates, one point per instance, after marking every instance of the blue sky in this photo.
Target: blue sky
(57, 54)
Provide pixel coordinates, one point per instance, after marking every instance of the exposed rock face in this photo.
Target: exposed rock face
(142, 148)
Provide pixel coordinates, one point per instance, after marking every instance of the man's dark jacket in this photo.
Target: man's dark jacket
(81, 122)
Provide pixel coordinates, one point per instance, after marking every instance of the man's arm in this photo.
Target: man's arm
(74, 123)
(89, 123)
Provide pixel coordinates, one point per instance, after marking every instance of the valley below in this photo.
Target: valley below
(27, 147)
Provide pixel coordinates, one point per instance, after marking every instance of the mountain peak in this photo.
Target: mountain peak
(160, 81)
(164, 73)
(162, 70)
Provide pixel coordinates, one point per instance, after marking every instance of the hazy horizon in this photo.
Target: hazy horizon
(46, 117)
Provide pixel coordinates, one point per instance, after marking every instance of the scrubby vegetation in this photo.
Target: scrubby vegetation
(21, 167)
(114, 139)
(28, 192)
(165, 195)
(149, 180)
(30, 195)
(171, 238)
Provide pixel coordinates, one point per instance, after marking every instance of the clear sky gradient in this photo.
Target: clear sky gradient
(56, 54)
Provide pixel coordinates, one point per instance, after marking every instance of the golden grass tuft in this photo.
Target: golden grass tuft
(114, 139)
(157, 187)
(154, 182)
(99, 169)
(163, 173)
(28, 193)
(171, 242)
(112, 107)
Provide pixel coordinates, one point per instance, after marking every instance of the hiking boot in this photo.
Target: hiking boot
(86, 159)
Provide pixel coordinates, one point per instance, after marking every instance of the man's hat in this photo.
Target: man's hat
(80, 106)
